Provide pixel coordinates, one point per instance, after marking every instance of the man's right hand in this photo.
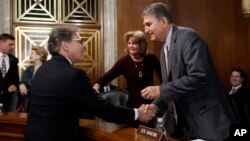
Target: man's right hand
(147, 112)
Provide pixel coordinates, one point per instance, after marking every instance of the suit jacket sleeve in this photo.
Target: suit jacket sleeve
(14, 70)
(27, 76)
(114, 72)
(92, 103)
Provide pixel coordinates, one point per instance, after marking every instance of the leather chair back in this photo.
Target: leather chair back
(116, 96)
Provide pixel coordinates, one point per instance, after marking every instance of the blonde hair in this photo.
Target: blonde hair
(139, 37)
(41, 51)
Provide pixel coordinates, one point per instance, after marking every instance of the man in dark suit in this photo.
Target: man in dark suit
(239, 95)
(9, 78)
(189, 79)
(61, 92)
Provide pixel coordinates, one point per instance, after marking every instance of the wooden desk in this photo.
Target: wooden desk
(12, 128)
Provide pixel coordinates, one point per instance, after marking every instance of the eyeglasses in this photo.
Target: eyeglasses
(81, 41)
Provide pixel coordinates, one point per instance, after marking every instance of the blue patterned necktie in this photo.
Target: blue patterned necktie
(3, 70)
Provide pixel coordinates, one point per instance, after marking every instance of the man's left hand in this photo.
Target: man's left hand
(150, 92)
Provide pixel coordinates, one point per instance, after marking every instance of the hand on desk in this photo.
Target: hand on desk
(146, 112)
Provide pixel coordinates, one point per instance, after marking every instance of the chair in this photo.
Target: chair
(19, 103)
(13, 102)
(116, 96)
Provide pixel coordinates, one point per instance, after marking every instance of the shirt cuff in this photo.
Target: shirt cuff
(136, 113)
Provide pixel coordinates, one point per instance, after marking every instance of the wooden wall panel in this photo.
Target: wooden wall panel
(31, 30)
(222, 26)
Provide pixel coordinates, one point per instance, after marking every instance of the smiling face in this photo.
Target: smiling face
(34, 56)
(156, 28)
(134, 47)
(236, 78)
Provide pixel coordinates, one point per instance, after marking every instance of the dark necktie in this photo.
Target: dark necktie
(233, 90)
(3, 66)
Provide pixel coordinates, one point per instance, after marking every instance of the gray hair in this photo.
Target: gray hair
(58, 35)
(159, 10)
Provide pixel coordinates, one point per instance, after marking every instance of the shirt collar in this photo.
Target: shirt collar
(1, 54)
(69, 60)
(237, 87)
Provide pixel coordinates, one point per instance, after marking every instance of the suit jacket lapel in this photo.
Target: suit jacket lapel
(170, 55)
(171, 50)
(10, 63)
(165, 74)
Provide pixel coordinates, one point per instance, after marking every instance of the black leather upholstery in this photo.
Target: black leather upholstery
(116, 96)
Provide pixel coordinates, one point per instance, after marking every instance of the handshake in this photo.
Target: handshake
(146, 112)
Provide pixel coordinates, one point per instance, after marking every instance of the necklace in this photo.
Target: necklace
(140, 73)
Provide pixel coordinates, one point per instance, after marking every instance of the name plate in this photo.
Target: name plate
(152, 133)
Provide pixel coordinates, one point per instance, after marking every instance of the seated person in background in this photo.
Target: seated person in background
(137, 67)
(38, 56)
(239, 95)
(61, 92)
